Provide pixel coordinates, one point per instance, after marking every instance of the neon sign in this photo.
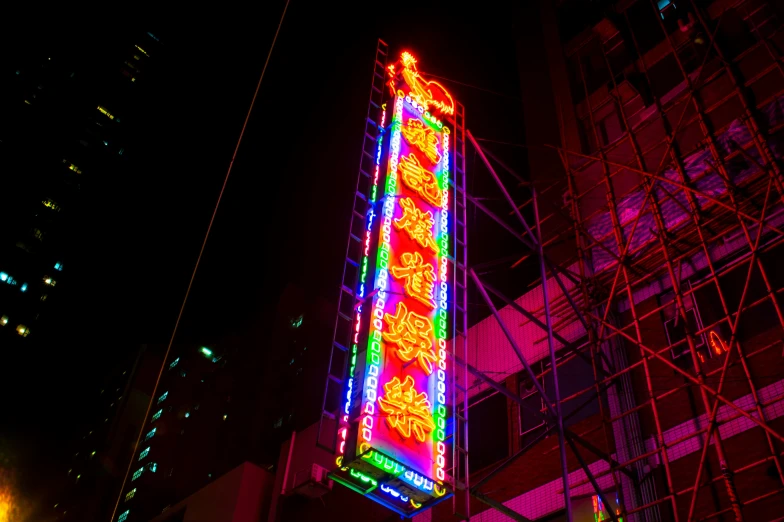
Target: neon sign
(428, 94)
(395, 427)
(716, 343)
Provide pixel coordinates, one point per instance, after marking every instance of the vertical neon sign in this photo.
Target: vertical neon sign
(395, 427)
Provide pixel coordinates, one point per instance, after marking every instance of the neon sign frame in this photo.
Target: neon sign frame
(395, 427)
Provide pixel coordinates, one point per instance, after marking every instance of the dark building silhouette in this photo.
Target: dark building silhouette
(219, 405)
(64, 130)
(101, 450)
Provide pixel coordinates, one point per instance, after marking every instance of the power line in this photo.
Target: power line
(198, 261)
(472, 86)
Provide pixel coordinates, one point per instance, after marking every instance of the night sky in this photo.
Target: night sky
(284, 214)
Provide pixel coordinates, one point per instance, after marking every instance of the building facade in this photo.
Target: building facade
(86, 490)
(63, 131)
(187, 436)
(655, 150)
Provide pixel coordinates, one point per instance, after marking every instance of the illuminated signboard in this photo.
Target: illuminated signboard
(395, 434)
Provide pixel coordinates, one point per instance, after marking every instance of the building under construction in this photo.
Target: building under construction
(641, 377)
(654, 143)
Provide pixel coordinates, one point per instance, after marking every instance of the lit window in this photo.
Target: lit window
(23, 288)
(206, 351)
(93, 453)
(163, 397)
(174, 363)
(143, 51)
(73, 167)
(296, 323)
(150, 434)
(49, 281)
(43, 297)
(38, 234)
(225, 417)
(3, 320)
(157, 415)
(23, 330)
(130, 494)
(137, 473)
(187, 414)
(49, 203)
(105, 112)
(123, 517)
(152, 466)
(3, 276)
(144, 453)
(123, 148)
(58, 267)
(106, 143)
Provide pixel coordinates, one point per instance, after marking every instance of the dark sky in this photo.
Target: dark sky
(284, 213)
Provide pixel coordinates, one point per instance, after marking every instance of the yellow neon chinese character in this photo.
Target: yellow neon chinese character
(418, 224)
(419, 276)
(411, 332)
(422, 138)
(407, 410)
(420, 180)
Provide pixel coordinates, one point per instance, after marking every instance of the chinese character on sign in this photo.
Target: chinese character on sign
(411, 332)
(407, 410)
(420, 180)
(423, 138)
(418, 224)
(419, 276)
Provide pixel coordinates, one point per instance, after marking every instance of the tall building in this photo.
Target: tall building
(297, 365)
(231, 402)
(86, 489)
(63, 129)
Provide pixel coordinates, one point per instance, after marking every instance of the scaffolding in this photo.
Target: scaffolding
(673, 205)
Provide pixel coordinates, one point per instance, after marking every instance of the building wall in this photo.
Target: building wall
(241, 495)
(89, 486)
(624, 94)
(338, 503)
